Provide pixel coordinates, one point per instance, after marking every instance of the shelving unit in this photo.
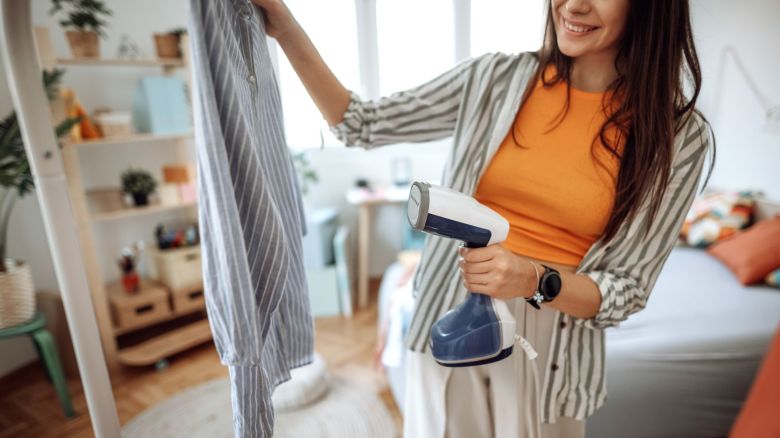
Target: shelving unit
(95, 207)
(130, 212)
(135, 138)
(92, 62)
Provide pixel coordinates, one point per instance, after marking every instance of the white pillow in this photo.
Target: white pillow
(307, 384)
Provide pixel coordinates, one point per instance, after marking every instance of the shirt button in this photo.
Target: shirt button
(554, 367)
(252, 79)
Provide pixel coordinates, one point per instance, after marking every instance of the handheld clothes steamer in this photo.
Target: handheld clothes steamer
(480, 330)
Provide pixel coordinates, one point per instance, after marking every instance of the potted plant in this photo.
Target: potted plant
(139, 184)
(168, 44)
(82, 24)
(306, 174)
(17, 294)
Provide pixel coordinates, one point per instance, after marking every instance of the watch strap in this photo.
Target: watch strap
(539, 295)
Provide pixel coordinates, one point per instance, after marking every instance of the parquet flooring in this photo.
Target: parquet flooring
(29, 406)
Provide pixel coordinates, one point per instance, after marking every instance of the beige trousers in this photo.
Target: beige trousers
(500, 400)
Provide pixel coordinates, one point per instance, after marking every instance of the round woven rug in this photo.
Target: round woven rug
(345, 410)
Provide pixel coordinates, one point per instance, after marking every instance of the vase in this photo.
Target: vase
(17, 295)
(83, 43)
(140, 199)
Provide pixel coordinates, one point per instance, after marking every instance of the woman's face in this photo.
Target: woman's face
(586, 27)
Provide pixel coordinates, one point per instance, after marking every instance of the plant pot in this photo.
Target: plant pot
(83, 43)
(130, 282)
(167, 45)
(140, 199)
(17, 295)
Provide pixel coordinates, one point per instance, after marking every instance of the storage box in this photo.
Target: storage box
(115, 124)
(168, 194)
(188, 300)
(161, 106)
(177, 268)
(188, 193)
(178, 173)
(147, 306)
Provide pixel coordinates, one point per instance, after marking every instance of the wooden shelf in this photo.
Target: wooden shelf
(137, 211)
(94, 205)
(136, 138)
(99, 62)
(163, 346)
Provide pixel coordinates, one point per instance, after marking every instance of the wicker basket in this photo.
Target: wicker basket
(17, 295)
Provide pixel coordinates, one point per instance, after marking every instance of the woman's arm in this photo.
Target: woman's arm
(498, 272)
(327, 92)
(423, 113)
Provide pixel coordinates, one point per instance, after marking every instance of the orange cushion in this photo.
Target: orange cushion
(758, 417)
(753, 253)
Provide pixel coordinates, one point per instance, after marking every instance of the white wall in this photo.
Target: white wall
(748, 156)
(748, 153)
(338, 168)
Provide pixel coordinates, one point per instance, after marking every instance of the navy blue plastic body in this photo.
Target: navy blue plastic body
(473, 237)
(469, 334)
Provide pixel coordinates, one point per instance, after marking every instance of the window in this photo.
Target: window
(332, 27)
(508, 26)
(415, 42)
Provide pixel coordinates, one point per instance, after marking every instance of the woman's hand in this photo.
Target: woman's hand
(279, 21)
(497, 272)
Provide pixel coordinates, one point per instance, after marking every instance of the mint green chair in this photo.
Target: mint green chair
(47, 350)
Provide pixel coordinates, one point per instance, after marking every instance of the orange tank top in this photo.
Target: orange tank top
(554, 193)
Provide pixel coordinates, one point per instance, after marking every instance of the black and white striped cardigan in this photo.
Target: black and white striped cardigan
(476, 103)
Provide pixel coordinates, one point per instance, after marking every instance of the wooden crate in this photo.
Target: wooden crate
(131, 311)
(188, 300)
(178, 268)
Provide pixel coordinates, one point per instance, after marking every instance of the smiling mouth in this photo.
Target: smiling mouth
(576, 28)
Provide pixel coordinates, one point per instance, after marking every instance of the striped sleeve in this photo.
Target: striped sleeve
(627, 273)
(426, 112)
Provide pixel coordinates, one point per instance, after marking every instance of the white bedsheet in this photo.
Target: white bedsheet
(682, 367)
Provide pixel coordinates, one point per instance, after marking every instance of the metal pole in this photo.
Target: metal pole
(43, 152)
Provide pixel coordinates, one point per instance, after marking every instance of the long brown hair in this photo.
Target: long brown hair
(656, 57)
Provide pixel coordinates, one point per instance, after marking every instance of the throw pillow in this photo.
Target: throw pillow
(751, 254)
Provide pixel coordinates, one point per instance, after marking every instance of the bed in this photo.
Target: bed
(680, 368)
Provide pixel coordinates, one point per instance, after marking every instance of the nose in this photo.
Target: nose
(577, 7)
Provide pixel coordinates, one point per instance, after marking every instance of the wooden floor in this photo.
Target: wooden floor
(29, 407)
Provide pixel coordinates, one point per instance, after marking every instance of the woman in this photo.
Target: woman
(592, 152)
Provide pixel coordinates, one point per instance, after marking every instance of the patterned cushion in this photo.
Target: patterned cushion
(307, 384)
(717, 215)
(773, 278)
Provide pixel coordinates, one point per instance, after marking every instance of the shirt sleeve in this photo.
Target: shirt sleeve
(426, 112)
(633, 260)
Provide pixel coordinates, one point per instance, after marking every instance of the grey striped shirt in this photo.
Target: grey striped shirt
(250, 211)
(476, 103)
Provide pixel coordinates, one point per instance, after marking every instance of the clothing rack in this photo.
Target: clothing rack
(46, 162)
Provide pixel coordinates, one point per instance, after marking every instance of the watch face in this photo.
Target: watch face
(551, 285)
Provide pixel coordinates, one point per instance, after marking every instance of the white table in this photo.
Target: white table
(366, 200)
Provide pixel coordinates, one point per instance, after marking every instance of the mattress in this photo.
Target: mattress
(683, 366)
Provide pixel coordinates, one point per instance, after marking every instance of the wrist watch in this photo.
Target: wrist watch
(548, 288)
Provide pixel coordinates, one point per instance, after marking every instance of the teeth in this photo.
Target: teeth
(574, 28)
